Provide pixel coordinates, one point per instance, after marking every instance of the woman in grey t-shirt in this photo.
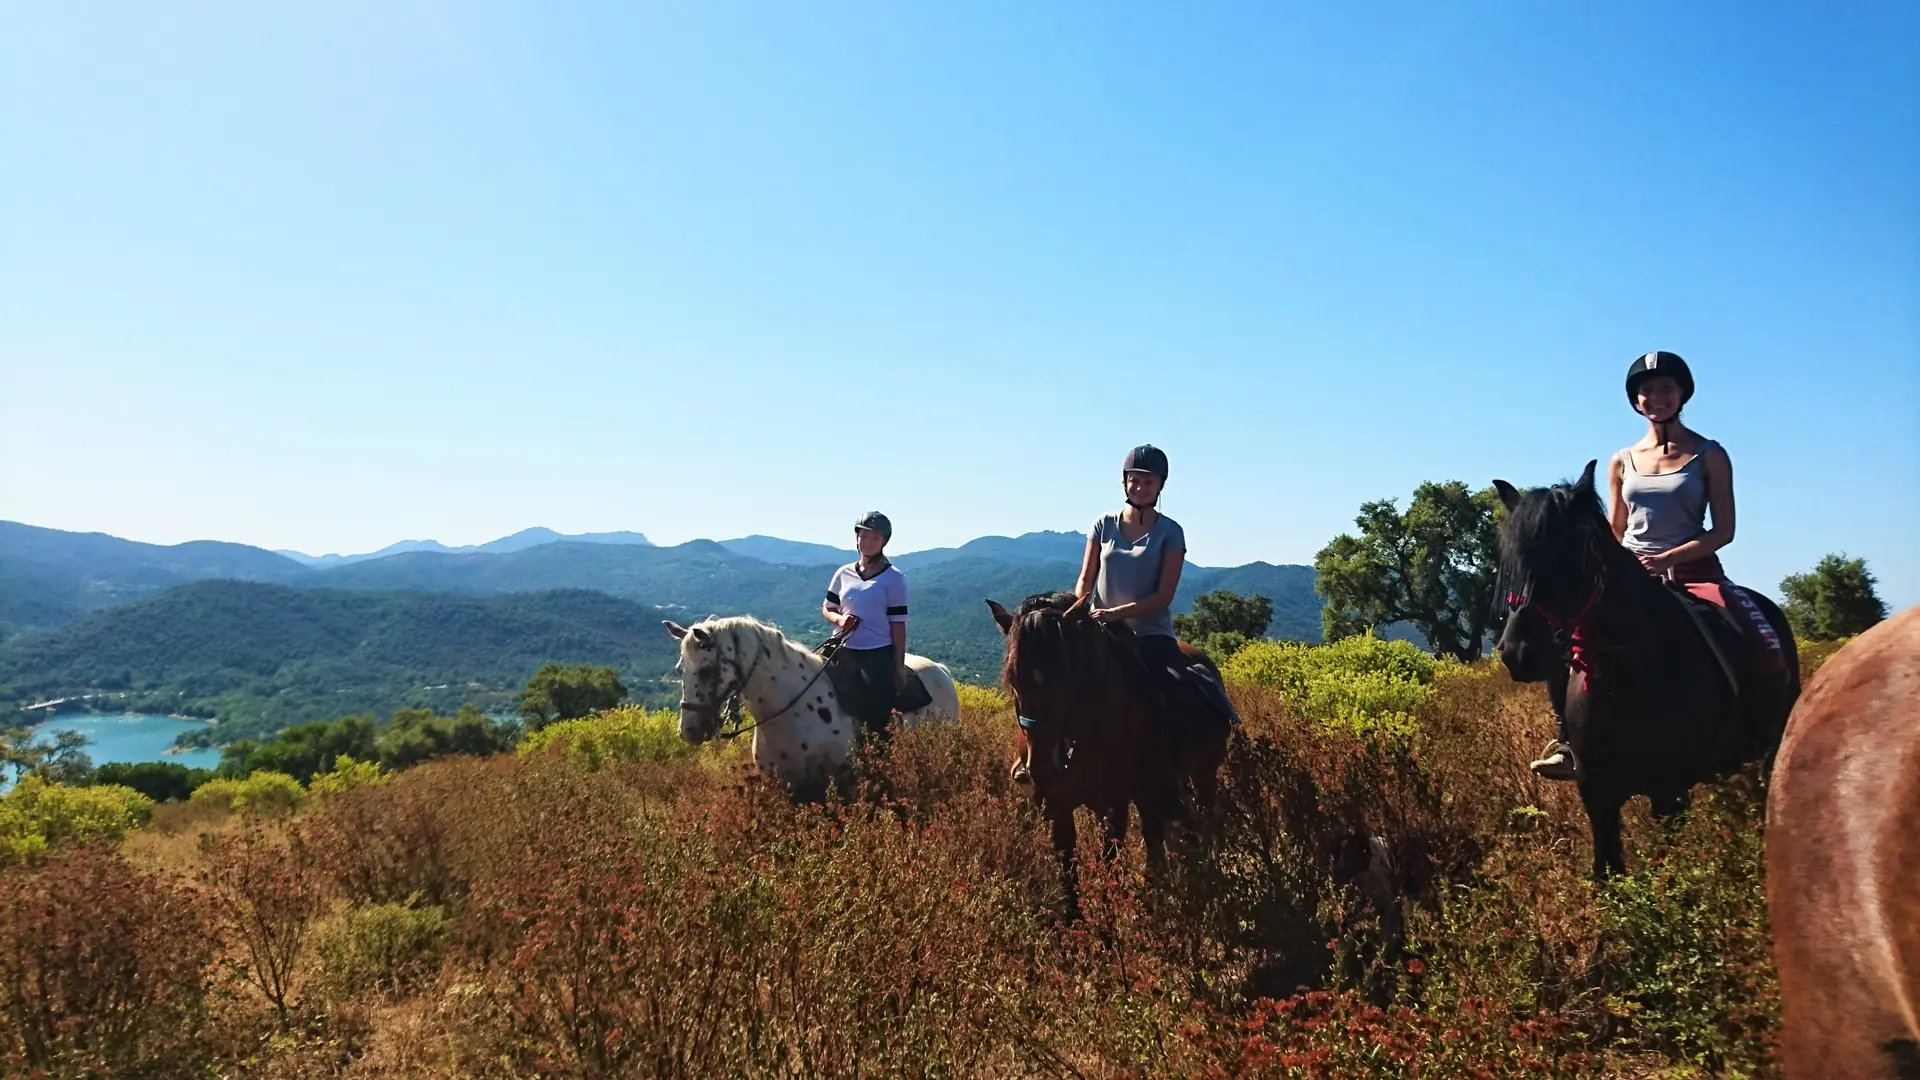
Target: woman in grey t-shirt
(1134, 558)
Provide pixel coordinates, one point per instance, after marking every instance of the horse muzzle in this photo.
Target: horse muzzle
(698, 723)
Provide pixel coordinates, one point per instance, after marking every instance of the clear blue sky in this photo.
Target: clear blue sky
(328, 278)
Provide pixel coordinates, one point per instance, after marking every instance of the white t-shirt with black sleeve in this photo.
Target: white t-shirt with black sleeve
(876, 602)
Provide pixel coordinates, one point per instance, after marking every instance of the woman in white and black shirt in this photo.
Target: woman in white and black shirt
(871, 595)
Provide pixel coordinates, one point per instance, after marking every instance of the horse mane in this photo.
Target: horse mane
(1545, 520)
(1045, 636)
(747, 626)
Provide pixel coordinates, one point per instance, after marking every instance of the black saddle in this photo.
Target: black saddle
(851, 687)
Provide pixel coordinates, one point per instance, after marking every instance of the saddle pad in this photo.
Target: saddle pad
(846, 683)
(914, 695)
(1758, 636)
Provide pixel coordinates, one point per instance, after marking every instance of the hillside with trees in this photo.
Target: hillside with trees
(263, 657)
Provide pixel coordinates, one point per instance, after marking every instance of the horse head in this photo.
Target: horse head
(1058, 659)
(1549, 563)
(711, 674)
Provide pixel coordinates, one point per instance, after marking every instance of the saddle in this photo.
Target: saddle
(849, 686)
(1735, 629)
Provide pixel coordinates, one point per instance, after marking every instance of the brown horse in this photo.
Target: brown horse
(1843, 863)
(1100, 730)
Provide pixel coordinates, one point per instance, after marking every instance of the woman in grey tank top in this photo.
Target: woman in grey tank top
(1665, 485)
(1664, 488)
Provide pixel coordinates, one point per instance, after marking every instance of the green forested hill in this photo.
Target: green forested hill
(266, 656)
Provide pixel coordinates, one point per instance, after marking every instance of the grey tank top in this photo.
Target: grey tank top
(1130, 572)
(1667, 510)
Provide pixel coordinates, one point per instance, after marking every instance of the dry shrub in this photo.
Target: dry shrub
(103, 970)
(1361, 900)
(267, 892)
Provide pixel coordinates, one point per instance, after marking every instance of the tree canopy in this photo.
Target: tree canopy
(1222, 621)
(1835, 599)
(559, 692)
(1433, 567)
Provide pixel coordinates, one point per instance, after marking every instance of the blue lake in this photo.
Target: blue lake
(130, 737)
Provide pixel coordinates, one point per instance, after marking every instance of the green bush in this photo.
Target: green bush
(346, 775)
(1357, 683)
(36, 814)
(628, 733)
(382, 948)
(263, 792)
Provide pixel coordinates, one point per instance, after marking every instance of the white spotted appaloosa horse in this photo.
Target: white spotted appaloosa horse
(801, 733)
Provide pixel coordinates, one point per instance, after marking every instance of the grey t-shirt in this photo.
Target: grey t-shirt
(1130, 572)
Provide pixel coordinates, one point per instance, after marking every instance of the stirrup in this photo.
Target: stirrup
(1557, 762)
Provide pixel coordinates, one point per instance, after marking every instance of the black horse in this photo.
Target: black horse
(1651, 706)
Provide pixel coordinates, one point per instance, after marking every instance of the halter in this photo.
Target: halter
(728, 711)
(1574, 635)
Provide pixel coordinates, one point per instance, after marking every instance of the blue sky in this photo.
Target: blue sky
(329, 278)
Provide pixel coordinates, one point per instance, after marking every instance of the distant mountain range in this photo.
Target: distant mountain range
(519, 541)
(68, 605)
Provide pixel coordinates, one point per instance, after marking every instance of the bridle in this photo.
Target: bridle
(728, 710)
(1573, 635)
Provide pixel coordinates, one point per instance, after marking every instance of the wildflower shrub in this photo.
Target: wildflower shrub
(103, 970)
(1359, 683)
(36, 815)
(264, 793)
(628, 733)
(1381, 889)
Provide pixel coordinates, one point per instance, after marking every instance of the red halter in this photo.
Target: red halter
(1577, 631)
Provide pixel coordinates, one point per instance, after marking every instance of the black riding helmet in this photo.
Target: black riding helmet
(1146, 458)
(1658, 363)
(877, 521)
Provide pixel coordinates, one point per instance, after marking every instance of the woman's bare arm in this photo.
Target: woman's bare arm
(1089, 570)
(1617, 506)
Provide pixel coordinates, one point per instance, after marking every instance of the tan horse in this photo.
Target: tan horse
(1843, 863)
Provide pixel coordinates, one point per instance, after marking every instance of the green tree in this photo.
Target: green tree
(304, 751)
(63, 761)
(557, 692)
(161, 781)
(418, 735)
(1222, 621)
(1432, 567)
(1835, 599)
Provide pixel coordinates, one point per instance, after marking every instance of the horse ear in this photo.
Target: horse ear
(1080, 605)
(1508, 494)
(1002, 616)
(674, 629)
(701, 636)
(1585, 483)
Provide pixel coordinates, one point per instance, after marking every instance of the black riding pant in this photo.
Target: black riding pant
(875, 668)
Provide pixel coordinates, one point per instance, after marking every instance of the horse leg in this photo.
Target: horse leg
(1065, 840)
(1666, 806)
(1603, 818)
